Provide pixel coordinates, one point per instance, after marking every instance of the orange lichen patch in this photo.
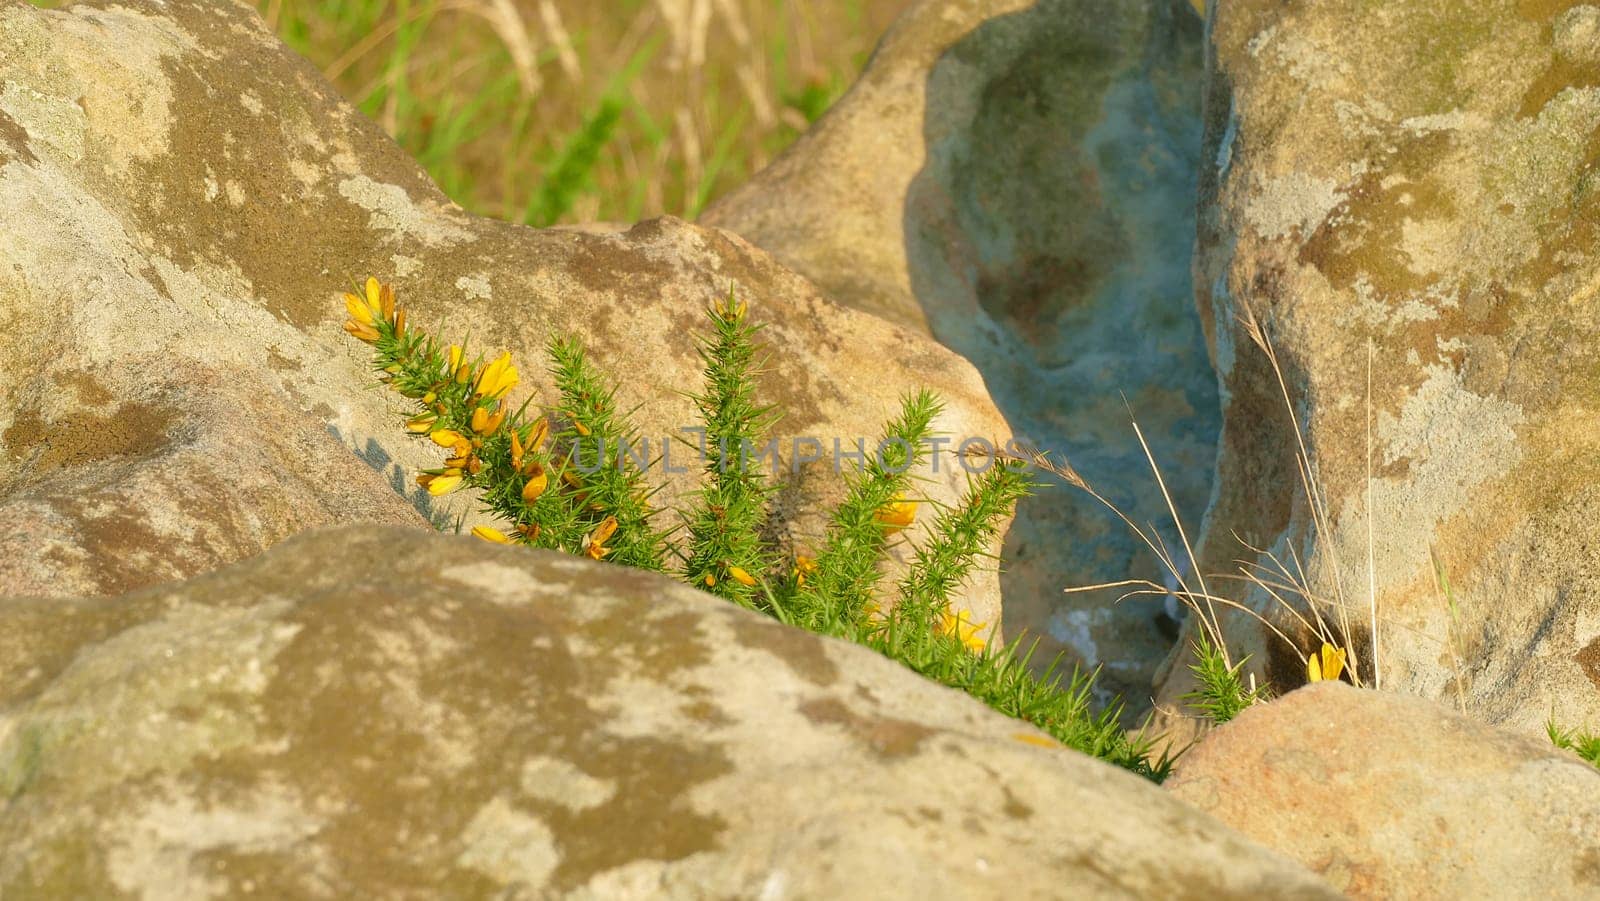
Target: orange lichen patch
(81, 437)
(1364, 235)
(1561, 75)
(1545, 10)
(1589, 659)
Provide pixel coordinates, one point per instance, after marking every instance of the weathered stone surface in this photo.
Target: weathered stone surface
(1419, 178)
(381, 712)
(182, 200)
(1019, 179)
(1390, 796)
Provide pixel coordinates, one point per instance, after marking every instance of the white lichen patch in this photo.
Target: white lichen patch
(497, 583)
(158, 849)
(1451, 442)
(392, 209)
(404, 266)
(509, 846)
(561, 782)
(1298, 200)
(475, 286)
(112, 714)
(98, 84)
(53, 123)
(1577, 34)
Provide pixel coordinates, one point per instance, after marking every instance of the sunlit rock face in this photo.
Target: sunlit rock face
(1404, 198)
(384, 712)
(182, 200)
(1390, 796)
(1019, 179)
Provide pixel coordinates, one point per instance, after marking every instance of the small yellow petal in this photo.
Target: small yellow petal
(455, 358)
(897, 515)
(444, 484)
(1043, 741)
(541, 431)
(421, 423)
(488, 533)
(358, 311)
(740, 576)
(537, 483)
(448, 438)
(361, 330)
(1332, 662)
(711, 580)
(604, 531)
(386, 303)
(374, 295)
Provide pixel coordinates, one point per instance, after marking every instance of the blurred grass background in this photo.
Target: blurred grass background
(549, 111)
(563, 111)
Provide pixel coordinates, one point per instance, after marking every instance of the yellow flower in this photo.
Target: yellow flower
(486, 423)
(450, 438)
(896, 515)
(727, 309)
(803, 566)
(541, 431)
(421, 423)
(498, 378)
(711, 580)
(358, 310)
(443, 483)
(364, 332)
(594, 544)
(538, 481)
(384, 300)
(491, 534)
(1325, 666)
(742, 577)
(961, 625)
(455, 360)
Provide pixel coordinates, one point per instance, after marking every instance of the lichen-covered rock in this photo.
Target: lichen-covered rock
(381, 712)
(1019, 179)
(182, 200)
(1421, 179)
(1390, 796)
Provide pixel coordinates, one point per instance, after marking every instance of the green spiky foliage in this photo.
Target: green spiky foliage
(1584, 744)
(1221, 694)
(958, 541)
(839, 596)
(539, 476)
(725, 553)
(604, 468)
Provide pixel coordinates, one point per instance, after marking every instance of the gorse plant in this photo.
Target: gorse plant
(567, 479)
(1583, 744)
(1221, 694)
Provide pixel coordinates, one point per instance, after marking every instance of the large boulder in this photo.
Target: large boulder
(1404, 199)
(1019, 179)
(1390, 796)
(182, 200)
(380, 712)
